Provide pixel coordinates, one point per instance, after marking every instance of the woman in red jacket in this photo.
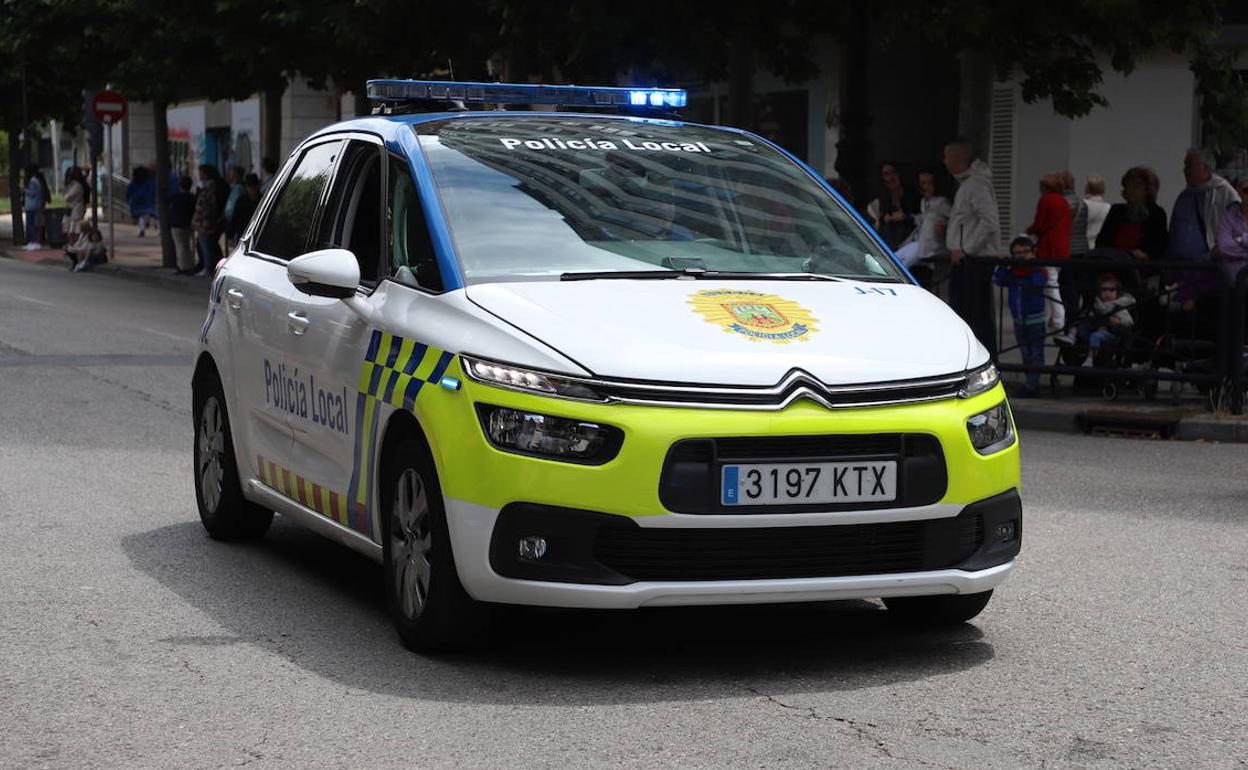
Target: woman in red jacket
(1051, 230)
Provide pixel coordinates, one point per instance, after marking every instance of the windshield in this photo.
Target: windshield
(535, 198)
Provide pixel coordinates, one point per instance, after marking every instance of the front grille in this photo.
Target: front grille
(691, 473)
(789, 552)
(808, 447)
(795, 385)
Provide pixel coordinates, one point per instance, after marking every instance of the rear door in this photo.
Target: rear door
(270, 390)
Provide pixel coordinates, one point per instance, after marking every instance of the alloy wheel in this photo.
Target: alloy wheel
(211, 446)
(411, 543)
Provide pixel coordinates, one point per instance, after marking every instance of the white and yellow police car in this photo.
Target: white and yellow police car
(594, 359)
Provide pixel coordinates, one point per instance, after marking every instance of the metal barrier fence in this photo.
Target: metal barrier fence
(1188, 325)
(1239, 317)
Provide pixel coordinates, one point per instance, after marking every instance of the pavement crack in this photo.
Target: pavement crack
(862, 729)
(253, 753)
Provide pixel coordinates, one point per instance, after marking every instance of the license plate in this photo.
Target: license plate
(806, 483)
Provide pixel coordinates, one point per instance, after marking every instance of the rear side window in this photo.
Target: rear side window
(285, 233)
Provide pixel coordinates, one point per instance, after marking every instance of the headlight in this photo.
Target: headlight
(556, 438)
(991, 431)
(979, 381)
(516, 378)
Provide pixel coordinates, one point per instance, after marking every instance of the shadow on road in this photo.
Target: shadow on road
(319, 605)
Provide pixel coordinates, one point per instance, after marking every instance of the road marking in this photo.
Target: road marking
(187, 340)
(32, 299)
(107, 359)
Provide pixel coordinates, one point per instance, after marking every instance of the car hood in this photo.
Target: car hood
(738, 332)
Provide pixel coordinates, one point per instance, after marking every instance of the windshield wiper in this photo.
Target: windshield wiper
(694, 273)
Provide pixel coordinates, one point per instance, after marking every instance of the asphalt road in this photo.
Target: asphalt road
(129, 639)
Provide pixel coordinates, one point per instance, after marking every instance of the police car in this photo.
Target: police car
(599, 358)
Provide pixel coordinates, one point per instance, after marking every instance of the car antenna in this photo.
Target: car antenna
(450, 65)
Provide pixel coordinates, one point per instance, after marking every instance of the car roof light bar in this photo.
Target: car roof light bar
(519, 93)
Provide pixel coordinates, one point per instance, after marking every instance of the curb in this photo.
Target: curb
(194, 286)
(1168, 424)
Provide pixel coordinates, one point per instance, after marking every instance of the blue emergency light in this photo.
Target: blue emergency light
(518, 93)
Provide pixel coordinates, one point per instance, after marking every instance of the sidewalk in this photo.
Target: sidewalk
(1184, 418)
(136, 259)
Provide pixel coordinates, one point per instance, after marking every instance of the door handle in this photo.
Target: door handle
(235, 299)
(298, 322)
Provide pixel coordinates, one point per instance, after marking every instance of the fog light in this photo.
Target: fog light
(532, 547)
(1005, 531)
(991, 431)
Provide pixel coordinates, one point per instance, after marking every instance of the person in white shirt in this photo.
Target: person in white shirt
(1098, 209)
(928, 239)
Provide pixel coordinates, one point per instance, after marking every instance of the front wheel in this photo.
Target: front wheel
(428, 605)
(936, 611)
(226, 514)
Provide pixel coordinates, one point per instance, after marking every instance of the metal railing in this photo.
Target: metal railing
(1172, 340)
(1238, 318)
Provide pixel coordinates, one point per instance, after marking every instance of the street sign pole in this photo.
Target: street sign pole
(109, 107)
(112, 242)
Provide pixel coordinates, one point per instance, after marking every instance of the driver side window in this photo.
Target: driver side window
(412, 259)
(352, 218)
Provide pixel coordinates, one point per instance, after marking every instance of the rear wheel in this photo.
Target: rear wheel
(429, 607)
(937, 611)
(226, 514)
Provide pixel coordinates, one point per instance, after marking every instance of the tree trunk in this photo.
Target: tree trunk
(160, 126)
(272, 143)
(741, 80)
(975, 100)
(16, 200)
(853, 147)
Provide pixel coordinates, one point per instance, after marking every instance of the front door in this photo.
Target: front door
(273, 389)
(334, 441)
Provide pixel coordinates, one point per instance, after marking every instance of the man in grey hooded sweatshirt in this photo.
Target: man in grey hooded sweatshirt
(974, 230)
(1194, 220)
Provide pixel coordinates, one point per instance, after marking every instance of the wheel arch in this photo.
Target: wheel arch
(205, 370)
(401, 426)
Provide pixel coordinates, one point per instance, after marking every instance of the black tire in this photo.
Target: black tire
(427, 604)
(938, 611)
(226, 514)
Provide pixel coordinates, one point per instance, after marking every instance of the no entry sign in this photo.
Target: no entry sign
(109, 106)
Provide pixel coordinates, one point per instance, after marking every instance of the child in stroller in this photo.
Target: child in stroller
(1111, 319)
(1108, 336)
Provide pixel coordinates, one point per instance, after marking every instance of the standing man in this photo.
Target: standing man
(209, 218)
(1194, 220)
(268, 170)
(974, 230)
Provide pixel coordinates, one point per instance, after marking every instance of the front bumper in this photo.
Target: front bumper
(473, 529)
(479, 481)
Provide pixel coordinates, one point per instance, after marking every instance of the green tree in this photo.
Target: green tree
(1059, 50)
(1223, 92)
(222, 49)
(44, 66)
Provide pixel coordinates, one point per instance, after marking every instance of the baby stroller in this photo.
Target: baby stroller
(1131, 349)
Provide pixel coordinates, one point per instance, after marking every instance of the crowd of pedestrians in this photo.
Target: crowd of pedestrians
(1088, 306)
(205, 219)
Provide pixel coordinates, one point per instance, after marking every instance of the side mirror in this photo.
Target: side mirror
(325, 273)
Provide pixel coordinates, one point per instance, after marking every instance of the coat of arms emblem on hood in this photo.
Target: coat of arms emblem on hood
(755, 315)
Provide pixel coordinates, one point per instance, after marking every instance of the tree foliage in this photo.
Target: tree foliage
(1223, 93)
(653, 42)
(1058, 48)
